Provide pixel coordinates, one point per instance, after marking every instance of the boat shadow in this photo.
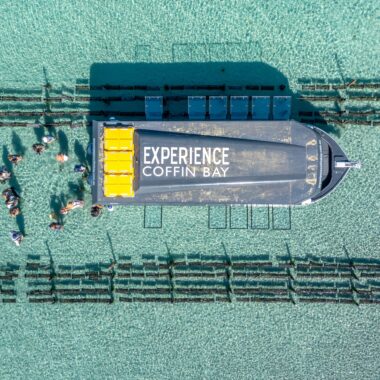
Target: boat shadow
(119, 89)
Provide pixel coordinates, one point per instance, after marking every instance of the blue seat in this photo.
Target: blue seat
(218, 107)
(282, 107)
(260, 107)
(153, 107)
(196, 107)
(239, 107)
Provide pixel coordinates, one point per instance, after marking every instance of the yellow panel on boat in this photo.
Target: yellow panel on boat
(118, 162)
(111, 133)
(118, 167)
(118, 133)
(112, 179)
(110, 144)
(119, 191)
(126, 145)
(126, 133)
(118, 156)
(118, 145)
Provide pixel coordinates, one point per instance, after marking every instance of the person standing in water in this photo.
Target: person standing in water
(80, 169)
(48, 139)
(16, 237)
(11, 198)
(61, 157)
(9, 192)
(5, 174)
(96, 210)
(11, 202)
(71, 206)
(56, 226)
(39, 148)
(14, 211)
(14, 158)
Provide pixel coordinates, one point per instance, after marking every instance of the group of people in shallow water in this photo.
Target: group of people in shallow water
(10, 195)
(12, 199)
(40, 148)
(56, 226)
(95, 212)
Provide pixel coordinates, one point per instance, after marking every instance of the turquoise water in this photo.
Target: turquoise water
(161, 342)
(58, 42)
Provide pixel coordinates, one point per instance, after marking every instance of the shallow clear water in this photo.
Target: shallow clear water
(58, 42)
